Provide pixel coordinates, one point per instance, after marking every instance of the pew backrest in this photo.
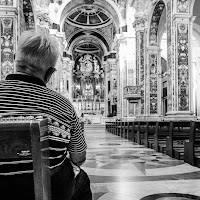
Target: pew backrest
(20, 144)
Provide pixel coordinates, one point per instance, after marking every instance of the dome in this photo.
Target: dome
(89, 16)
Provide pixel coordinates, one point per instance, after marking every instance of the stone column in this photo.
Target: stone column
(179, 60)
(153, 83)
(107, 74)
(65, 84)
(113, 81)
(56, 80)
(43, 21)
(198, 86)
(70, 77)
(67, 77)
(121, 75)
(119, 106)
(140, 26)
(8, 26)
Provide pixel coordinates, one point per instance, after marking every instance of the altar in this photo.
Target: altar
(93, 119)
(88, 87)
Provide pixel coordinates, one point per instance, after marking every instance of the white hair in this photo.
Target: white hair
(36, 52)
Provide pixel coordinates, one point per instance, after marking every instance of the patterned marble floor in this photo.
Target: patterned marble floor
(123, 170)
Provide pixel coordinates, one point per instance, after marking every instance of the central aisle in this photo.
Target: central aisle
(123, 170)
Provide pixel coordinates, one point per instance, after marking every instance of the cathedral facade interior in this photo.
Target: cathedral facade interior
(125, 61)
(130, 59)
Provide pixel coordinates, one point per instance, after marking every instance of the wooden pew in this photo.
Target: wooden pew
(161, 133)
(119, 127)
(179, 132)
(129, 131)
(125, 130)
(141, 132)
(149, 134)
(192, 145)
(138, 129)
(115, 127)
(106, 127)
(21, 157)
(135, 134)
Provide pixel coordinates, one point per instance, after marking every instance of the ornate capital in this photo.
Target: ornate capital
(43, 21)
(139, 22)
(183, 6)
(6, 3)
(153, 1)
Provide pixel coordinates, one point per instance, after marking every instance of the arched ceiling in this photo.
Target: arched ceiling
(89, 25)
(88, 16)
(196, 12)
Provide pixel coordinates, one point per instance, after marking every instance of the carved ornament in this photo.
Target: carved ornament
(139, 21)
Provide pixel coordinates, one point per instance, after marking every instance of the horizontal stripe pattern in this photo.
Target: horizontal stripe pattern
(22, 98)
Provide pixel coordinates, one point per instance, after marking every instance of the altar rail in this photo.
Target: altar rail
(178, 139)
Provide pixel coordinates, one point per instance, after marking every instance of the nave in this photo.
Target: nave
(123, 170)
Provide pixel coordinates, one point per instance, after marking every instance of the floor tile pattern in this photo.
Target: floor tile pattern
(123, 170)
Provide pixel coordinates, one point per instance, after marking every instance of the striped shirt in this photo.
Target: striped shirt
(26, 95)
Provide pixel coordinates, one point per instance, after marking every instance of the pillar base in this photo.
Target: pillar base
(180, 115)
(150, 118)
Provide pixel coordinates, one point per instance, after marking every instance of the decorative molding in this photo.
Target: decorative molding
(169, 53)
(139, 22)
(6, 2)
(44, 21)
(7, 60)
(183, 67)
(28, 15)
(153, 61)
(153, 1)
(132, 92)
(153, 37)
(142, 70)
(89, 1)
(183, 6)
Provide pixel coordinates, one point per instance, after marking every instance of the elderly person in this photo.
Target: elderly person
(25, 93)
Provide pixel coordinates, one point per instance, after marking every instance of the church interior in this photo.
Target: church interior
(132, 67)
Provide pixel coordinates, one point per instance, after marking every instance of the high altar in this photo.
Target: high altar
(88, 85)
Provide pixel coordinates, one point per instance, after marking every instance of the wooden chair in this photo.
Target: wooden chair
(21, 155)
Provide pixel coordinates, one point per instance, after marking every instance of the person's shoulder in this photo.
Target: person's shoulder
(60, 97)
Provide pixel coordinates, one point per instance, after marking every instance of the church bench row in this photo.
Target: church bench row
(22, 163)
(178, 139)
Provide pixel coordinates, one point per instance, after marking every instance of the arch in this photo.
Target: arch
(192, 6)
(95, 34)
(29, 15)
(130, 15)
(73, 44)
(100, 35)
(154, 22)
(162, 26)
(65, 8)
(196, 31)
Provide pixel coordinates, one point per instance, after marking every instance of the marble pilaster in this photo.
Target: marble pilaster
(140, 27)
(8, 34)
(42, 19)
(70, 78)
(67, 78)
(113, 81)
(180, 96)
(152, 85)
(121, 75)
(106, 79)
